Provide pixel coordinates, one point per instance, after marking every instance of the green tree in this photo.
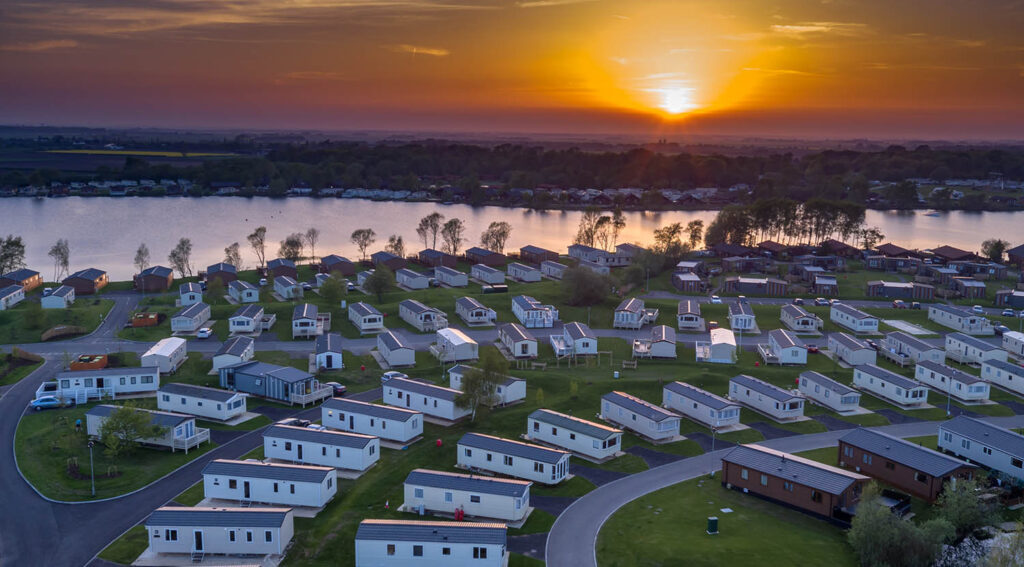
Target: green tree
(215, 290)
(903, 195)
(695, 233)
(429, 229)
(379, 282)
(258, 242)
(618, 225)
(454, 234)
(233, 256)
(142, 257)
(395, 245)
(870, 237)
(332, 290)
(312, 238)
(480, 385)
(291, 247)
(668, 242)
(586, 232)
(122, 430)
(994, 248)
(960, 506)
(12, 254)
(181, 257)
(495, 236)
(581, 286)
(880, 539)
(363, 238)
(61, 254)
(1009, 552)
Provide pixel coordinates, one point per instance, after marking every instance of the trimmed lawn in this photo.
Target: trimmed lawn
(11, 372)
(46, 443)
(27, 321)
(192, 496)
(538, 522)
(127, 548)
(666, 526)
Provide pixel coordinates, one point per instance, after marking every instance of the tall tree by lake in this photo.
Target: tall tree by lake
(258, 242)
(142, 257)
(61, 254)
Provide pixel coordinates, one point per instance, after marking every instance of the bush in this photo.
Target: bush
(581, 286)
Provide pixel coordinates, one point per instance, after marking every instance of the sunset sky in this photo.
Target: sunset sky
(832, 68)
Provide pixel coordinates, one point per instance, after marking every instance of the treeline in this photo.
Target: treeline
(790, 222)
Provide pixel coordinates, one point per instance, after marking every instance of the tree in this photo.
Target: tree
(332, 290)
(618, 225)
(142, 257)
(454, 234)
(603, 233)
(291, 247)
(215, 289)
(669, 243)
(258, 241)
(695, 230)
(586, 231)
(960, 506)
(233, 256)
(480, 385)
(494, 237)
(61, 254)
(870, 237)
(429, 229)
(363, 238)
(12, 254)
(379, 282)
(124, 427)
(1009, 552)
(581, 286)
(395, 245)
(881, 539)
(312, 237)
(993, 248)
(181, 257)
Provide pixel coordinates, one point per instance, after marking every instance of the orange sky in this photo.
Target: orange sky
(834, 68)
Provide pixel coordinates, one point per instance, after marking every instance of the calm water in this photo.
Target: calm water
(105, 232)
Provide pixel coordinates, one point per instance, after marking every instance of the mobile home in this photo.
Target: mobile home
(889, 385)
(421, 317)
(700, 405)
(395, 349)
(959, 319)
(473, 312)
(632, 314)
(766, 398)
(990, 446)
(365, 317)
(281, 383)
(853, 319)
(966, 349)
(956, 383)
(509, 391)
(661, 344)
(200, 401)
(828, 392)
(454, 346)
(269, 483)
(412, 280)
(328, 355)
(235, 350)
(799, 319)
(348, 451)
(386, 422)
(431, 544)
(904, 344)
(532, 313)
(434, 401)
(178, 431)
(199, 532)
(487, 274)
(851, 350)
(247, 319)
(1004, 374)
(639, 416)
(512, 458)
(688, 316)
(190, 318)
(522, 272)
(450, 277)
(167, 355)
(580, 436)
(243, 292)
(517, 340)
(476, 496)
(783, 347)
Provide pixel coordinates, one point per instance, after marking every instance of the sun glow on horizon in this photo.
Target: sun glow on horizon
(677, 100)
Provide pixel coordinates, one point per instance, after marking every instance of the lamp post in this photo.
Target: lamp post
(92, 471)
(949, 395)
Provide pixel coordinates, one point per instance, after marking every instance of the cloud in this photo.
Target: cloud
(802, 29)
(44, 45)
(420, 50)
(749, 36)
(970, 42)
(768, 71)
(548, 3)
(619, 60)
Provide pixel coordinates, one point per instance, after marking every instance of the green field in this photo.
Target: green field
(27, 321)
(11, 372)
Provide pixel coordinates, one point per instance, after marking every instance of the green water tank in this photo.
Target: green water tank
(712, 525)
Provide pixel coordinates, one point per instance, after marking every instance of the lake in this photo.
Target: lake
(104, 232)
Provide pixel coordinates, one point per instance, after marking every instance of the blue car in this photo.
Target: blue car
(48, 402)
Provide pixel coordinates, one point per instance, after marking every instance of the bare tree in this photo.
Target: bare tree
(142, 257)
(363, 238)
(396, 245)
(181, 257)
(233, 256)
(429, 229)
(258, 241)
(454, 234)
(586, 231)
(495, 236)
(291, 247)
(312, 238)
(603, 232)
(618, 224)
(61, 254)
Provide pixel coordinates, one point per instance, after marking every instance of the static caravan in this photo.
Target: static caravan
(306, 321)
(328, 352)
(720, 350)
(487, 274)
(189, 319)
(189, 293)
(247, 319)
(334, 263)
(477, 496)
(532, 313)
(1004, 374)
(799, 319)
(906, 345)
(412, 280)
(688, 316)
(282, 267)
(783, 347)
(389, 260)
(513, 458)
(243, 292)
(430, 544)
(61, 298)
(167, 355)
(87, 281)
(639, 416)
(536, 254)
(423, 318)
(828, 392)
(473, 312)
(522, 272)
(395, 349)
(198, 532)
(632, 314)
(946, 380)
(594, 440)
(576, 340)
(741, 317)
(552, 269)
(348, 451)
(11, 296)
(1013, 343)
(451, 277)
(24, 277)
(434, 401)
(509, 391)
(222, 271)
(281, 383)
(365, 317)
(235, 350)
(688, 282)
(990, 446)
(200, 401)
(851, 350)
(661, 344)
(966, 349)
(391, 423)
(437, 259)
(454, 346)
(959, 319)
(84, 385)
(700, 405)
(287, 288)
(853, 319)
(766, 398)
(889, 385)
(269, 483)
(518, 340)
(179, 431)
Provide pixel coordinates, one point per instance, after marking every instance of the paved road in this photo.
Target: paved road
(573, 538)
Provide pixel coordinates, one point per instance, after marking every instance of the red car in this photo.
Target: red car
(812, 348)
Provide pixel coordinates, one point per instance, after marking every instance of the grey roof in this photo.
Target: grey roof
(785, 339)
(407, 273)
(158, 271)
(20, 275)
(1004, 365)
(849, 341)
(762, 387)
(687, 277)
(911, 341)
(554, 265)
(285, 281)
(796, 312)
(577, 330)
(280, 263)
(738, 308)
(663, 333)
(828, 479)
(526, 302)
(852, 311)
(956, 311)
(424, 389)
(305, 311)
(332, 438)
(481, 252)
(486, 269)
(702, 396)
(903, 452)
(393, 340)
(688, 307)
(513, 448)
(240, 285)
(108, 372)
(193, 391)
(334, 259)
(270, 471)
(250, 310)
(364, 309)
(972, 341)
(969, 282)
(581, 426)
(986, 434)
(10, 290)
(522, 267)
(236, 346)
(517, 332)
(284, 373)
(638, 406)
(192, 310)
(87, 274)
(218, 517)
(448, 271)
(631, 305)
(160, 418)
(63, 291)
(432, 532)
(952, 373)
(825, 280)
(819, 378)
(431, 253)
(890, 377)
(190, 287)
(469, 303)
(468, 483)
(221, 267)
(462, 369)
(416, 306)
(328, 342)
(373, 410)
(536, 250)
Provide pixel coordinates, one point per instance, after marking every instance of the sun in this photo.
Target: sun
(676, 100)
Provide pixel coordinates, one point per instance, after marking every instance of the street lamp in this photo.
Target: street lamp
(949, 395)
(92, 471)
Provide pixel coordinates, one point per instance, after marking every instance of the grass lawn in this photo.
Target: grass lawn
(12, 371)
(192, 496)
(27, 320)
(666, 526)
(46, 443)
(127, 548)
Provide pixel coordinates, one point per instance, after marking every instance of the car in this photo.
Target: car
(915, 304)
(898, 304)
(715, 299)
(820, 302)
(978, 309)
(1021, 314)
(392, 374)
(742, 299)
(337, 389)
(1000, 329)
(47, 291)
(833, 302)
(49, 402)
(1008, 313)
(263, 281)
(712, 325)
(812, 348)
(351, 286)
(872, 344)
(798, 301)
(306, 286)
(204, 333)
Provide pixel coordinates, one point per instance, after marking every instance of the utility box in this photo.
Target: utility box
(712, 525)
